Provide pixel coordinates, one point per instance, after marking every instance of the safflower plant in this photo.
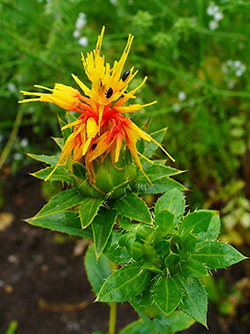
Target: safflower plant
(154, 258)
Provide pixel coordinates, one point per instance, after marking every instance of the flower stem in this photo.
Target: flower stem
(113, 306)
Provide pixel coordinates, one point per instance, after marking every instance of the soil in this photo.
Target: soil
(43, 283)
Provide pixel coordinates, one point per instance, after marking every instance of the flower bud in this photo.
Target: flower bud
(112, 180)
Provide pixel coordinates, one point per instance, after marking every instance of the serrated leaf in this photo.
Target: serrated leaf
(174, 202)
(217, 255)
(159, 186)
(48, 159)
(59, 142)
(133, 207)
(187, 243)
(146, 304)
(124, 284)
(180, 321)
(65, 222)
(136, 327)
(167, 295)
(160, 324)
(60, 174)
(151, 147)
(193, 268)
(164, 223)
(116, 252)
(213, 230)
(97, 271)
(102, 226)
(156, 172)
(194, 300)
(200, 221)
(88, 210)
(60, 202)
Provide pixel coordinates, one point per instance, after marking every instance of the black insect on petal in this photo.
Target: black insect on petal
(125, 75)
(122, 96)
(94, 146)
(109, 93)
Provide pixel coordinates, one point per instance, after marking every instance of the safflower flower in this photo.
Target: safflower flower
(102, 127)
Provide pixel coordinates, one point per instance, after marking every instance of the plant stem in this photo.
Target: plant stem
(112, 318)
(113, 306)
(12, 138)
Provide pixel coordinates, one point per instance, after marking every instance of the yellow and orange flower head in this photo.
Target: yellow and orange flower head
(101, 128)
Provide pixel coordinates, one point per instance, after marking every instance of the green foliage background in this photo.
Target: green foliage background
(176, 47)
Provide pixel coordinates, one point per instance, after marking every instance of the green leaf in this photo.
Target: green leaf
(133, 207)
(213, 230)
(126, 224)
(67, 132)
(146, 304)
(116, 252)
(79, 170)
(156, 172)
(187, 244)
(193, 268)
(60, 174)
(159, 186)
(59, 142)
(102, 226)
(97, 271)
(200, 221)
(160, 324)
(194, 300)
(50, 160)
(167, 295)
(164, 223)
(88, 210)
(12, 327)
(152, 267)
(180, 321)
(217, 255)
(151, 147)
(60, 202)
(124, 284)
(136, 327)
(174, 202)
(65, 222)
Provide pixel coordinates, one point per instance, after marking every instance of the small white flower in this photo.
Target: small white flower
(176, 107)
(114, 2)
(237, 63)
(17, 156)
(76, 34)
(216, 9)
(81, 21)
(230, 62)
(83, 41)
(182, 96)
(218, 16)
(238, 73)
(213, 25)
(210, 9)
(11, 87)
(24, 142)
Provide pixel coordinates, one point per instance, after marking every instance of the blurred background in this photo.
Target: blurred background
(196, 57)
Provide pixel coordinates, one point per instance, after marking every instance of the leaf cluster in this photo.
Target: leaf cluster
(162, 252)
